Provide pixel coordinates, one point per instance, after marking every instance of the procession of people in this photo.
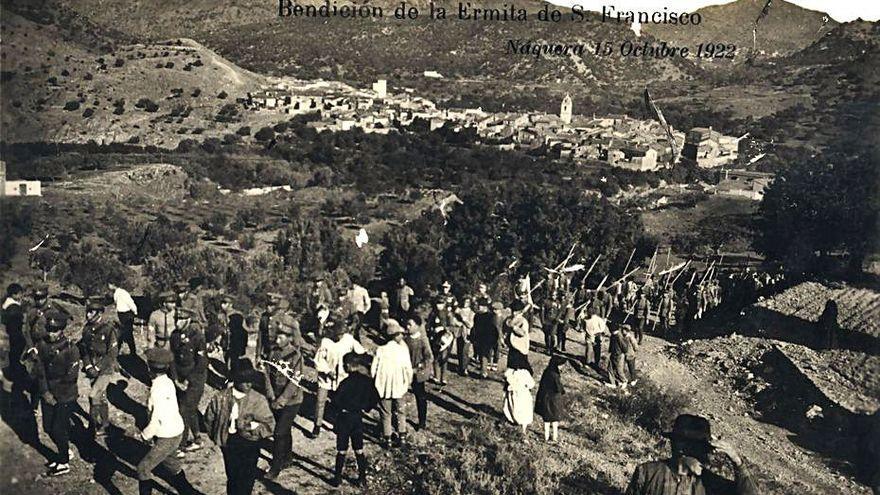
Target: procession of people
(352, 353)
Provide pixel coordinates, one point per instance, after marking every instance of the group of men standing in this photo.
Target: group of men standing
(264, 362)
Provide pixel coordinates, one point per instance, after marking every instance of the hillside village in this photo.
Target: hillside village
(619, 140)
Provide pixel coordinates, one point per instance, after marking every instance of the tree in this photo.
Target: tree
(825, 206)
(90, 267)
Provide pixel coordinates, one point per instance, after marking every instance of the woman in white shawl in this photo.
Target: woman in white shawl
(518, 403)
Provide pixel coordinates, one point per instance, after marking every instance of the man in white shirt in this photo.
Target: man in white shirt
(594, 327)
(359, 303)
(165, 428)
(126, 310)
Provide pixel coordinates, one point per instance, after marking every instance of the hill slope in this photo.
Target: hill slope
(786, 29)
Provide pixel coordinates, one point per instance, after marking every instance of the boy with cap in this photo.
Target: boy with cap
(57, 370)
(161, 322)
(686, 471)
(393, 373)
(190, 371)
(165, 428)
(238, 419)
(98, 348)
(328, 363)
(284, 394)
(356, 395)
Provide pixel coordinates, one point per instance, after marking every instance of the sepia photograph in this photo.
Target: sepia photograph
(415, 247)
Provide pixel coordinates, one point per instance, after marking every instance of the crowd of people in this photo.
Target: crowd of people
(419, 337)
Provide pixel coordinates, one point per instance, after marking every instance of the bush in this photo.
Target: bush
(222, 95)
(264, 134)
(243, 131)
(88, 112)
(215, 224)
(16, 221)
(649, 406)
(119, 62)
(71, 105)
(90, 267)
(478, 458)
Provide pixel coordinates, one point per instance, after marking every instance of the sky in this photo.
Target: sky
(840, 10)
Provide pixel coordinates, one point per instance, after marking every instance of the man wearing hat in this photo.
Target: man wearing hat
(165, 429)
(34, 332)
(618, 347)
(337, 342)
(686, 471)
(393, 373)
(162, 321)
(238, 419)
(285, 395)
(356, 395)
(186, 299)
(190, 370)
(422, 358)
(98, 348)
(277, 308)
(484, 335)
(57, 370)
(234, 336)
(402, 295)
(12, 316)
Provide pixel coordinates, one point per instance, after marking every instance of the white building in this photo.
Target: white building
(17, 187)
(380, 87)
(565, 109)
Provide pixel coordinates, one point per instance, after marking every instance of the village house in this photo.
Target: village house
(638, 158)
(18, 187)
(743, 183)
(709, 148)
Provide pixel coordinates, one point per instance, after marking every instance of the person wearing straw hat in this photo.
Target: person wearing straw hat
(98, 348)
(393, 373)
(284, 394)
(686, 471)
(165, 429)
(57, 371)
(238, 420)
(161, 322)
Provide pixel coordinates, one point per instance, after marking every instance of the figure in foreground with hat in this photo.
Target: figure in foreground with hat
(238, 419)
(335, 344)
(686, 472)
(165, 429)
(57, 370)
(355, 396)
(98, 348)
(283, 391)
(393, 373)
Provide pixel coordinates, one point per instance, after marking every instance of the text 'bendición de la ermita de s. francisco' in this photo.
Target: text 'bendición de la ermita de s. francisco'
(474, 11)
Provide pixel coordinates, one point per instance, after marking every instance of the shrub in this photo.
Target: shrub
(90, 267)
(222, 95)
(264, 134)
(119, 62)
(196, 92)
(650, 406)
(243, 131)
(71, 105)
(88, 112)
(215, 224)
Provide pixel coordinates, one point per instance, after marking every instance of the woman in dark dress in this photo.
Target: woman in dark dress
(549, 401)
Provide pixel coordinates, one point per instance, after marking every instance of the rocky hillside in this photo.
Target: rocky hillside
(58, 89)
(786, 29)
